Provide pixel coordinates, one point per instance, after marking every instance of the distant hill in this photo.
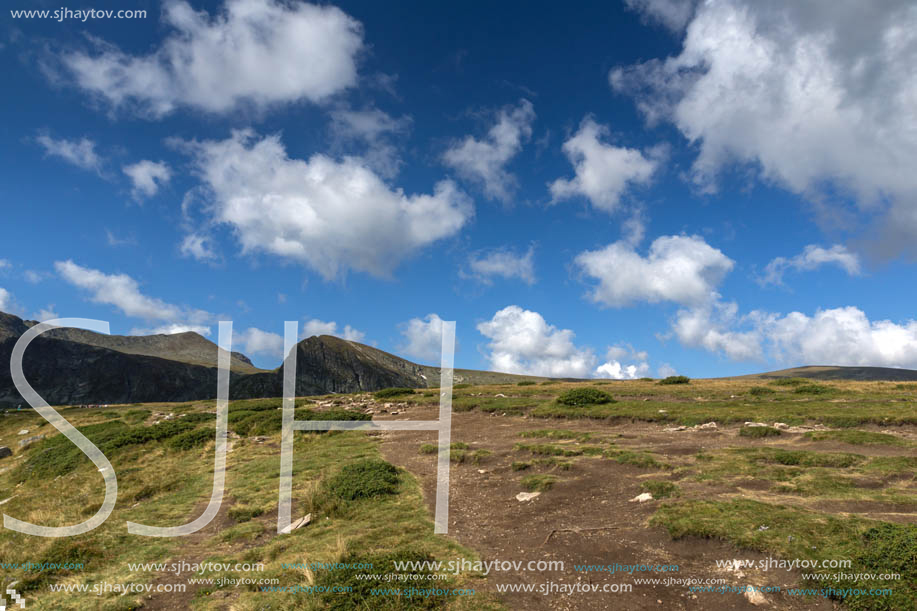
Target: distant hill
(833, 372)
(74, 366)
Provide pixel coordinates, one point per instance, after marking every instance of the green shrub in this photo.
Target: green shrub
(549, 382)
(362, 479)
(761, 390)
(520, 465)
(244, 513)
(812, 389)
(429, 448)
(538, 482)
(398, 391)
(791, 381)
(479, 455)
(356, 588)
(756, 432)
(646, 380)
(526, 383)
(460, 386)
(584, 396)
(675, 380)
(191, 439)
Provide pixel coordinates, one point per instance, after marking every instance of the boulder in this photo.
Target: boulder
(526, 496)
(5, 451)
(642, 498)
(301, 522)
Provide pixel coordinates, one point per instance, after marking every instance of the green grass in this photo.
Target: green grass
(791, 381)
(855, 437)
(545, 449)
(759, 391)
(660, 489)
(637, 459)
(873, 547)
(812, 389)
(756, 432)
(526, 383)
(538, 482)
(397, 391)
(554, 434)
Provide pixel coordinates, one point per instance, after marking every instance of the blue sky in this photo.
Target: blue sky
(607, 189)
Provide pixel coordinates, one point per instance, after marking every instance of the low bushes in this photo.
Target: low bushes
(584, 396)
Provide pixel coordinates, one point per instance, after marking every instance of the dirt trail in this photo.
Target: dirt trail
(585, 519)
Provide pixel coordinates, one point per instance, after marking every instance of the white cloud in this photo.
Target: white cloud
(616, 369)
(503, 263)
(483, 161)
(812, 257)
(172, 329)
(6, 300)
(603, 171)
(818, 96)
(114, 240)
(330, 215)
(682, 269)
(253, 53)
(673, 14)
(33, 277)
(255, 341)
(123, 292)
(47, 313)
(373, 130)
(665, 370)
(521, 341)
(81, 153)
(320, 327)
(5, 264)
(198, 246)
(839, 336)
(147, 177)
(424, 338)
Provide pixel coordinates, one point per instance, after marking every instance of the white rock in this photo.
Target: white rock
(24, 432)
(303, 521)
(706, 426)
(676, 429)
(754, 424)
(526, 496)
(783, 426)
(642, 498)
(755, 597)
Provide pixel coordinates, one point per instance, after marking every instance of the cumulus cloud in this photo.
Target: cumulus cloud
(33, 277)
(423, 338)
(673, 14)
(838, 336)
(818, 96)
(252, 53)
(123, 292)
(616, 369)
(6, 300)
(502, 263)
(256, 341)
(147, 177)
(683, 269)
(665, 370)
(81, 153)
(603, 171)
(48, 313)
(198, 246)
(321, 327)
(812, 257)
(483, 160)
(329, 215)
(373, 130)
(521, 341)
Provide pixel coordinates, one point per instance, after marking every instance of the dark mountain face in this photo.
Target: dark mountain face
(74, 366)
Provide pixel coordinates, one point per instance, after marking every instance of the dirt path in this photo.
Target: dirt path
(585, 519)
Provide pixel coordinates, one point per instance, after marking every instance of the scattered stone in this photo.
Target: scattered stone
(642, 498)
(675, 429)
(526, 496)
(482, 471)
(756, 598)
(783, 426)
(30, 440)
(3, 502)
(24, 432)
(755, 424)
(663, 411)
(706, 427)
(301, 522)
(5, 451)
